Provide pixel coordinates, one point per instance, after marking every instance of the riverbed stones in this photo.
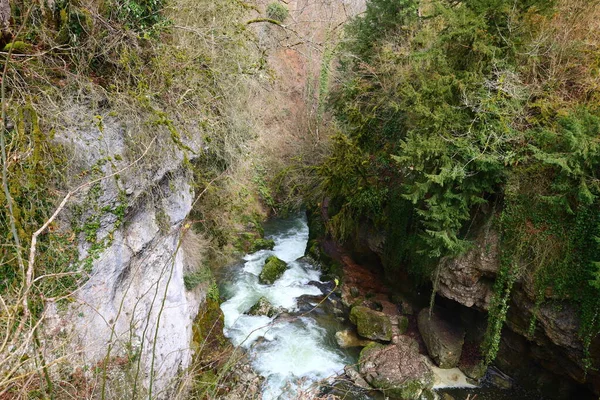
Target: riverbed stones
(444, 339)
(371, 324)
(396, 369)
(264, 307)
(273, 269)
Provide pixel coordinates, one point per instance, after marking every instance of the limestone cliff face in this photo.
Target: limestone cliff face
(133, 304)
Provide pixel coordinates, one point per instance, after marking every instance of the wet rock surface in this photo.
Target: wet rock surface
(349, 338)
(264, 307)
(444, 338)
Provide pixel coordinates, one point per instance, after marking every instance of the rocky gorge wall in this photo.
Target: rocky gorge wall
(540, 345)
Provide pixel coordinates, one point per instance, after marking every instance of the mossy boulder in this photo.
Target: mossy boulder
(371, 324)
(475, 371)
(397, 369)
(264, 307)
(262, 244)
(273, 269)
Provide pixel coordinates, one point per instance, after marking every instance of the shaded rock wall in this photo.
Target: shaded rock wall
(553, 351)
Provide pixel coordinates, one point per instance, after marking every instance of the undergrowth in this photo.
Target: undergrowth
(175, 76)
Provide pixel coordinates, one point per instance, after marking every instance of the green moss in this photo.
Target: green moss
(262, 244)
(273, 269)
(277, 11)
(208, 339)
(367, 350)
(17, 47)
(371, 324)
(402, 324)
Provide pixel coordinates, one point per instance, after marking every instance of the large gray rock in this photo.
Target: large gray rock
(132, 249)
(371, 324)
(397, 369)
(444, 339)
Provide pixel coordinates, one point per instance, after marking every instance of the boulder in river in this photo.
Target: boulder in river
(444, 339)
(264, 307)
(273, 269)
(371, 324)
(397, 369)
(348, 338)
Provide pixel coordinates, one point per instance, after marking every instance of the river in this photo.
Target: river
(296, 352)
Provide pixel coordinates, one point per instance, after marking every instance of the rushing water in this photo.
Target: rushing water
(294, 351)
(291, 353)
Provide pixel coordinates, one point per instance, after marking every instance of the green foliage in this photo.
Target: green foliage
(193, 279)
(277, 11)
(34, 167)
(443, 114)
(498, 310)
(140, 15)
(381, 18)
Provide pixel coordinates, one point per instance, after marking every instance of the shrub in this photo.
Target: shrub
(277, 11)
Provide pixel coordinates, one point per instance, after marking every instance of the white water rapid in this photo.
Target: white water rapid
(291, 353)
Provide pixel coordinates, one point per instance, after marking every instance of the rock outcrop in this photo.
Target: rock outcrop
(396, 369)
(444, 339)
(132, 250)
(554, 344)
(469, 279)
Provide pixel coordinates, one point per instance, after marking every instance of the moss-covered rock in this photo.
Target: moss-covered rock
(208, 340)
(402, 324)
(262, 244)
(273, 269)
(264, 307)
(475, 371)
(371, 324)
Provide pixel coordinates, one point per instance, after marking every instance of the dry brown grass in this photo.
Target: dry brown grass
(562, 53)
